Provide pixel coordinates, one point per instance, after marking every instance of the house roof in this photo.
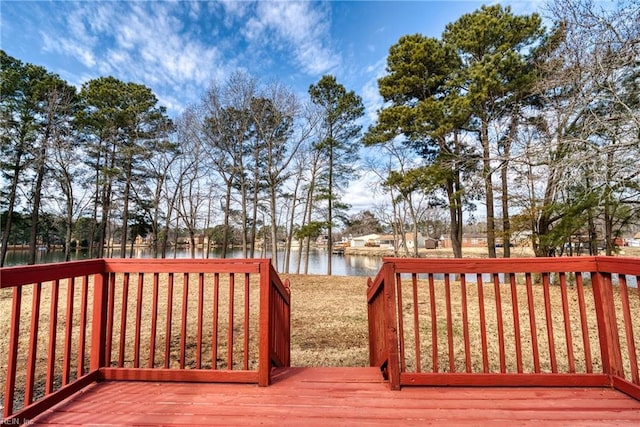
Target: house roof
(367, 237)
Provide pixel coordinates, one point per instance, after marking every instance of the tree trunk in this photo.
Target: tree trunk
(504, 170)
(12, 201)
(488, 186)
(225, 232)
(37, 195)
(125, 211)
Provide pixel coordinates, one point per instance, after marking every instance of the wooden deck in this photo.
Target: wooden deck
(338, 396)
(207, 342)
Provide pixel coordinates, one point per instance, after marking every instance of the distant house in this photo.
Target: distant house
(634, 242)
(362, 241)
(469, 240)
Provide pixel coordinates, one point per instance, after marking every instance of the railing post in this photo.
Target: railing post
(264, 349)
(391, 325)
(99, 321)
(607, 326)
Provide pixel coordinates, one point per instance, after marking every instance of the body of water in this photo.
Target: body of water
(341, 265)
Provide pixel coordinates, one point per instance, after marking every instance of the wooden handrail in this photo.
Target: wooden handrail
(200, 320)
(507, 319)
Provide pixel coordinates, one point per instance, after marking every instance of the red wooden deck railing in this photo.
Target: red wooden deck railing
(159, 320)
(539, 322)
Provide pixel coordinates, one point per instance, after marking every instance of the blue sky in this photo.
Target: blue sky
(177, 48)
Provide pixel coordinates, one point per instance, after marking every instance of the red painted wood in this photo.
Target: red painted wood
(216, 305)
(465, 323)
(123, 319)
(434, 325)
(136, 343)
(400, 332)
(447, 297)
(605, 315)
(532, 324)
(154, 321)
(191, 265)
(626, 387)
(189, 375)
(391, 324)
(377, 343)
(483, 324)
(53, 327)
(33, 344)
(549, 320)
(511, 380)
(485, 265)
(26, 275)
(230, 321)
(245, 364)
(66, 362)
(567, 323)
(167, 330)
(264, 352)
(183, 324)
(339, 396)
(110, 317)
(99, 324)
(498, 298)
(416, 322)
(586, 344)
(621, 265)
(200, 320)
(517, 335)
(13, 352)
(30, 412)
(82, 335)
(628, 329)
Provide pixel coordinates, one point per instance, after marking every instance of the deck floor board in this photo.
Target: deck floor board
(339, 396)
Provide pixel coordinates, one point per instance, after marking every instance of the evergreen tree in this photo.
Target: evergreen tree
(340, 111)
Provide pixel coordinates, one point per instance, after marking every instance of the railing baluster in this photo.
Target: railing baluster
(583, 324)
(216, 306)
(465, 323)
(82, 338)
(483, 324)
(110, 318)
(136, 345)
(567, 323)
(154, 320)
(532, 324)
(246, 321)
(66, 365)
(167, 331)
(33, 344)
(200, 313)
(628, 328)
(447, 293)
(398, 284)
(53, 328)
(14, 336)
(230, 331)
(416, 323)
(123, 319)
(434, 324)
(549, 318)
(498, 298)
(183, 328)
(516, 322)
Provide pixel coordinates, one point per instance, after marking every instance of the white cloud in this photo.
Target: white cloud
(296, 26)
(370, 93)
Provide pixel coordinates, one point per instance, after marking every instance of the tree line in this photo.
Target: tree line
(541, 126)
